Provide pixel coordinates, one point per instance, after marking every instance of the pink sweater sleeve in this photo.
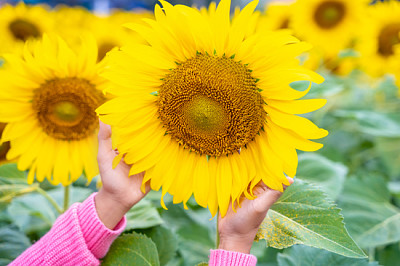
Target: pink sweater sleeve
(220, 257)
(78, 237)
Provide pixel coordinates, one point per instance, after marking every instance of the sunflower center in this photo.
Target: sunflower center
(204, 115)
(65, 108)
(284, 24)
(23, 30)
(104, 48)
(211, 105)
(5, 147)
(388, 37)
(328, 14)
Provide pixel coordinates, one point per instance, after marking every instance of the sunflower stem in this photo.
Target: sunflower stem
(49, 199)
(66, 197)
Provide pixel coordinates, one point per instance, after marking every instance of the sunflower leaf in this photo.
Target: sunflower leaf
(12, 184)
(132, 249)
(12, 243)
(369, 215)
(304, 215)
(301, 255)
(320, 171)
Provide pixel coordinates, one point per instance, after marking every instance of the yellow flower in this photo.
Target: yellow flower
(277, 15)
(4, 147)
(20, 23)
(329, 25)
(379, 37)
(48, 98)
(204, 110)
(110, 34)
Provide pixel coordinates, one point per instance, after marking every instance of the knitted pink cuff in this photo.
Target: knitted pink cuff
(220, 257)
(98, 237)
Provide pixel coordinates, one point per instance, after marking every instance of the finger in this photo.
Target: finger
(105, 152)
(290, 182)
(104, 131)
(266, 199)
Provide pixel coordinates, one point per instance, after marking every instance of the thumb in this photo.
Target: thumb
(105, 146)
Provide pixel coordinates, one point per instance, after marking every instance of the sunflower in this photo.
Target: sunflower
(378, 39)
(277, 15)
(110, 34)
(204, 110)
(329, 25)
(4, 147)
(48, 99)
(20, 23)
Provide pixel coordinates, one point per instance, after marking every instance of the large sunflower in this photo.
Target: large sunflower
(48, 98)
(204, 110)
(20, 23)
(379, 37)
(329, 25)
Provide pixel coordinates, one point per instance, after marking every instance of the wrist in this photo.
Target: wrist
(119, 202)
(240, 244)
(109, 210)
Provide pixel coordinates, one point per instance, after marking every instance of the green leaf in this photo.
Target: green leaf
(9, 172)
(370, 217)
(132, 249)
(12, 244)
(265, 256)
(165, 241)
(372, 122)
(389, 151)
(322, 172)
(300, 255)
(304, 215)
(390, 255)
(202, 264)
(143, 215)
(194, 231)
(33, 214)
(12, 184)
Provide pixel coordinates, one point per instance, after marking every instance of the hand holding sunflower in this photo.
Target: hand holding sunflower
(120, 192)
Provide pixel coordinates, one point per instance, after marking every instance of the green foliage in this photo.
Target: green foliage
(322, 172)
(12, 184)
(165, 241)
(300, 255)
(194, 232)
(12, 243)
(36, 219)
(132, 249)
(371, 123)
(303, 215)
(370, 217)
(143, 215)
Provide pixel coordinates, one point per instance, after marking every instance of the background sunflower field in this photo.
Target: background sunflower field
(344, 207)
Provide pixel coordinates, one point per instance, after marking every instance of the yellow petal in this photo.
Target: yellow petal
(297, 106)
(300, 125)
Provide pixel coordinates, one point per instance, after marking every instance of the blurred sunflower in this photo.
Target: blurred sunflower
(277, 15)
(329, 25)
(4, 147)
(20, 23)
(379, 37)
(48, 99)
(72, 23)
(204, 110)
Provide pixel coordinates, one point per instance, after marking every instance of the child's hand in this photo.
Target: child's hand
(120, 192)
(238, 230)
